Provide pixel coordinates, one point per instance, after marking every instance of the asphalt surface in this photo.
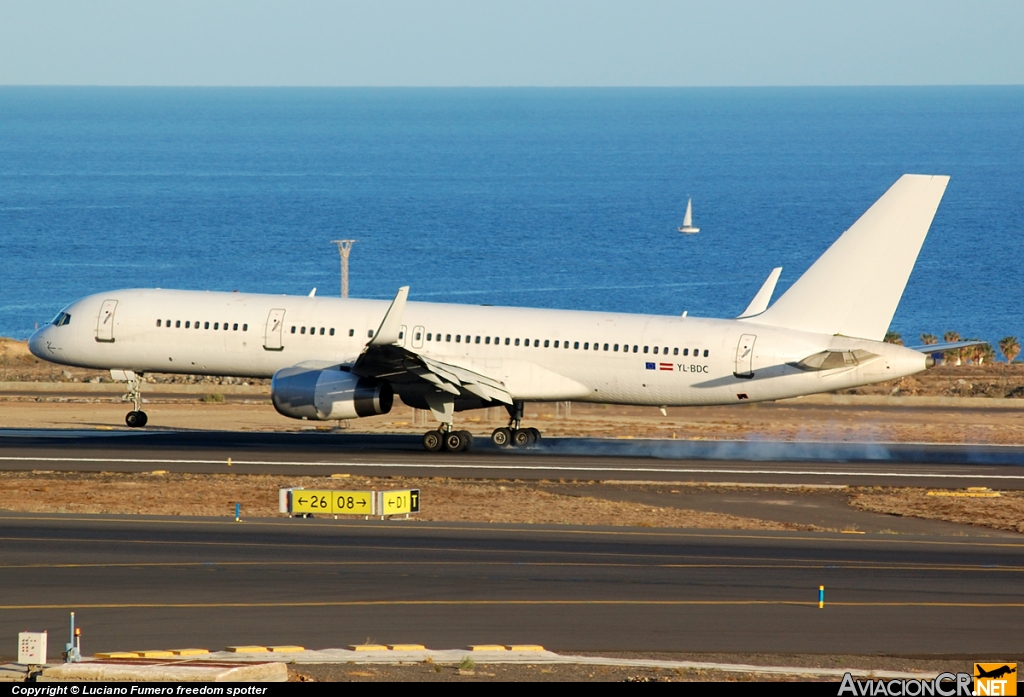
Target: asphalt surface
(316, 453)
(145, 583)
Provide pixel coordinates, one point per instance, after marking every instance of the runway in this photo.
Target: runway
(861, 464)
(138, 583)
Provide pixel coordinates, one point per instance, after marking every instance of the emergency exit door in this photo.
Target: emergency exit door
(745, 356)
(273, 337)
(105, 321)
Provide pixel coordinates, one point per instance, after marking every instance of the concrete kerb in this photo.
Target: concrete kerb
(456, 656)
(167, 670)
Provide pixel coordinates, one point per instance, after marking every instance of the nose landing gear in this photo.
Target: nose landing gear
(136, 418)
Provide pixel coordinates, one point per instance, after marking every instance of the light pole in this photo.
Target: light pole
(344, 249)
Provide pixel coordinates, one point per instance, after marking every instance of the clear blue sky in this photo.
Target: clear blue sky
(520, 42)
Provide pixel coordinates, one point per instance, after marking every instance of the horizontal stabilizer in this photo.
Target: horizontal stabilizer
(854, 287)
(939, 348)
(764, 296)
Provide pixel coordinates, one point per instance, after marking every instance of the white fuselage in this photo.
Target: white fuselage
(539, 355)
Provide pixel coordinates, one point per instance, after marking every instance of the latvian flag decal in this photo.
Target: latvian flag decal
(660, 366)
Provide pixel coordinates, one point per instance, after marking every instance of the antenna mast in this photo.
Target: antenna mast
(344, 249)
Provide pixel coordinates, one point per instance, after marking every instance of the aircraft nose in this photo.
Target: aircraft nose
(37, 342)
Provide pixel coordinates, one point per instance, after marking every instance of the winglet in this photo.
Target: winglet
(391, 325)
(764, 296)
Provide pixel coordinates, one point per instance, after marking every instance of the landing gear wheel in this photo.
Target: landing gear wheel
(433, 441)
(536, 435)
(468, 437)
(136, 419)
(457, 441)
(502, 437)
(523, 437)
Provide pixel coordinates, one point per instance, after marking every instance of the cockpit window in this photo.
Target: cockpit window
(61, 319)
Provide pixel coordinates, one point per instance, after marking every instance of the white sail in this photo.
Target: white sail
(687, 225)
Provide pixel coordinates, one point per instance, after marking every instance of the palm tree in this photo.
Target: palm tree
(929, 339)
(1010, 348)
(949, 338)
(892, 337)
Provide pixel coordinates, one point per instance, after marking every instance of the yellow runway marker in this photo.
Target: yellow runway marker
(407, 647)
(246, 649)
(190, 652)
(486, 647)
(367, 647)
(286, 649)
(153, 654)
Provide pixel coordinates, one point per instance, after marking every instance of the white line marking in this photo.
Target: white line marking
(557, 468)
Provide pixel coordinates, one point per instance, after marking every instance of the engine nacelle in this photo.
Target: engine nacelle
(328, 393)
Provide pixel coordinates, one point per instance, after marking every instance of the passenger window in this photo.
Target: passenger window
(321, 331)
(477, 340)
(167, 323)
(517, 342)
(606, 347)
(331, 332)
(418, 336)
(430, 336)
(615, 348)
(293, 329)
(506, 341)
(497, 340)
(645, 349)
(536, 343)
(216, 325)
(234, 328)
(586, 345)
(225, 326)
(655, 349)
(458, 338)
(635, 348)
(705, 353)
(206, 325)
(447, 337)
(301, 331)
(188, 325)
(547, 343)
(675, 352)
(487, 340)
(369, 333)
(351, 332)
(245, 328)
(401, 335)
(556, 343)
(686, 352)
(158, 322)
(696, 352)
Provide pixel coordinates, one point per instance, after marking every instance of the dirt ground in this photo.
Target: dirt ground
(430, 672)
(470, 501)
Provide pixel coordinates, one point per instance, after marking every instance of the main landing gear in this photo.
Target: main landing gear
(447, 438)
(514, 436)
(136, 418)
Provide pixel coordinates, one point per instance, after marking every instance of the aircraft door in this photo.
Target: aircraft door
(273, 338)
(105, 321)
(745, 356)
(401, 335)
(417, 337)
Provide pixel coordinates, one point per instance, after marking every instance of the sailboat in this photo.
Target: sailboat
(687, 226)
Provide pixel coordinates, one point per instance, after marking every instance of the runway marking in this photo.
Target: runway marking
(551, 468)
(826, 564)
(492, 603)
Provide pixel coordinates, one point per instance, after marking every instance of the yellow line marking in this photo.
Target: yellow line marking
(476, 603)
(867, 566)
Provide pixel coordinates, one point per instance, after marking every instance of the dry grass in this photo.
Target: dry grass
(1003, 513)
(443, 500)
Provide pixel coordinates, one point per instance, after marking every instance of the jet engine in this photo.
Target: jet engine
(328, 393)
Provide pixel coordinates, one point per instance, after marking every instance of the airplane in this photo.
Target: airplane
(340, 358)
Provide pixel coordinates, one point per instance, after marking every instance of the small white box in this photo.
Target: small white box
(32, 648)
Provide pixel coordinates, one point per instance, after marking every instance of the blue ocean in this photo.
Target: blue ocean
(564, 198)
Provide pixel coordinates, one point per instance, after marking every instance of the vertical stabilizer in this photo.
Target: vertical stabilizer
(854, 287)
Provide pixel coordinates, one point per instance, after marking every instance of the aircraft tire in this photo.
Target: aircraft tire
(468, 439)
(455, 441)
(433, 441)
(536, 435)
(145, 419)
(522, 438)
(134, 419)
(502, 437)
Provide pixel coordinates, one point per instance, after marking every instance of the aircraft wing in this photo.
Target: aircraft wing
(382, 358)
